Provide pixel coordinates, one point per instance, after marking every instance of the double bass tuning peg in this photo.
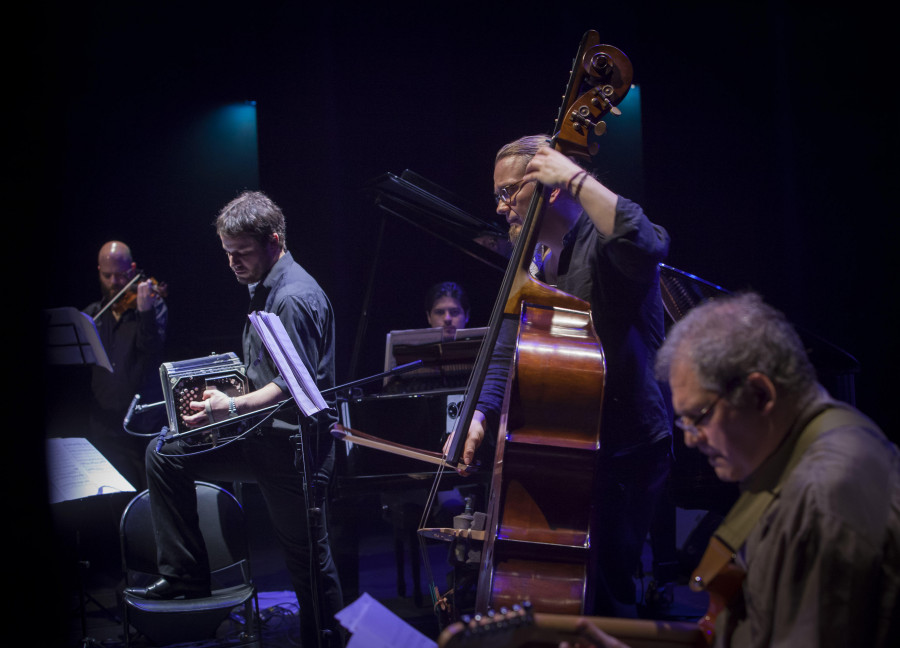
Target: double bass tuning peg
(601, 65)
(581, 121)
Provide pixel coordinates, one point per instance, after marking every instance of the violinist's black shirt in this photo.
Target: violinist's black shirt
(134, 345)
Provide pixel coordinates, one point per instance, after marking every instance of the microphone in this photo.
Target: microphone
(128, 415)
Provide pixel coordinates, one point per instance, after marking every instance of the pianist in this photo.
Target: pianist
(447, 307)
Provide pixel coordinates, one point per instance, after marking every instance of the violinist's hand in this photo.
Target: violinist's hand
(213, 407)
(551, 168)
(473, 440)
(592, 637)
(146, 296)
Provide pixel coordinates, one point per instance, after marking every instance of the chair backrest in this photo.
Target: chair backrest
(221, 523)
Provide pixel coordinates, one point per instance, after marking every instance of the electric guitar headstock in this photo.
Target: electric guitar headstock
(521, 627)
(492, 630)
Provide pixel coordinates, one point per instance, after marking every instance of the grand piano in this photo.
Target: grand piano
(417, 408)
(425, 401)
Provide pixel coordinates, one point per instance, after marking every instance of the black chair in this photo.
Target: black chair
(186, 620)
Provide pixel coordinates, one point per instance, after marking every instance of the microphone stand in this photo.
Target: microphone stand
(315, 522)
(315, 516)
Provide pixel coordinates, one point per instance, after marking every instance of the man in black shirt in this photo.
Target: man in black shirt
(600, 247)
(133, 332)
(252, 231)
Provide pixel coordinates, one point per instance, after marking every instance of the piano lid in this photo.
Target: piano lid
(429, 206)
(682, 291)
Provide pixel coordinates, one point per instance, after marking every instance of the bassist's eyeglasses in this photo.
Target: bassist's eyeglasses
(507, 193)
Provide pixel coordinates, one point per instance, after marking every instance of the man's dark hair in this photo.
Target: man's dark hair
(446, 289)
(255, 214)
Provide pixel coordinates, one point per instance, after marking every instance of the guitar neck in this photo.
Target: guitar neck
(539, 630)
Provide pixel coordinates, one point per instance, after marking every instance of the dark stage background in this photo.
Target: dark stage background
(766, 148)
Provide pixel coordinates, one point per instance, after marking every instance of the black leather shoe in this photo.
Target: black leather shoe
(164, 589)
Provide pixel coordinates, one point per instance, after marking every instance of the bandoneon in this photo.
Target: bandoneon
(186, 380)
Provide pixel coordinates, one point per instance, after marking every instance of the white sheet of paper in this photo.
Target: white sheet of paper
(281, 349)
(76, 469)
(374, 626)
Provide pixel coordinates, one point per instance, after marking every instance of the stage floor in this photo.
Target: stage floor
(377, 576)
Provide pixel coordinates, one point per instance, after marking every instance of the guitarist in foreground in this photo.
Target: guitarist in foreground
(817, 528)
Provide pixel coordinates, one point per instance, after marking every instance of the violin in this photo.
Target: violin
(126, 299)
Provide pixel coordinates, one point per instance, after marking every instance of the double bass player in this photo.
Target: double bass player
(599, 247)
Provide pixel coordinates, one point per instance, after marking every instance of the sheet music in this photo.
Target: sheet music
(374, 626)
(284, 355)
(424, 336)
(76, 469)
(72, 338)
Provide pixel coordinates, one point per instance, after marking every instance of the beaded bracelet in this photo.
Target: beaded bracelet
(580, 184)
(578, 173)
(232, 408)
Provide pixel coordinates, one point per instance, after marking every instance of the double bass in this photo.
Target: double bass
(538, 533)
(536, 544)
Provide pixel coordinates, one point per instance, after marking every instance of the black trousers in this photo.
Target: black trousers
(271, 460)
(628, 491)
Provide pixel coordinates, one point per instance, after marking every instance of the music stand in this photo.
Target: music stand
(310, 402)
(72, 339)
(284, 355)
(77, 475)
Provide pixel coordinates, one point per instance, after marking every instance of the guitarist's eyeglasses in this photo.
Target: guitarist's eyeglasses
(690, 424)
